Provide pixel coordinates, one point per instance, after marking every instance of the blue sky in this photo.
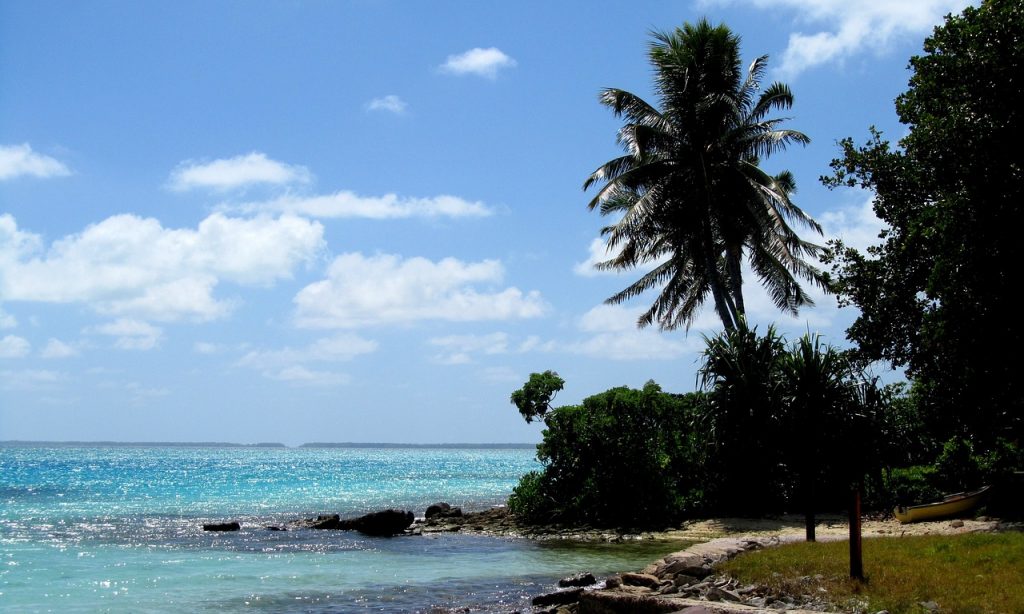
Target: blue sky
(361, 221)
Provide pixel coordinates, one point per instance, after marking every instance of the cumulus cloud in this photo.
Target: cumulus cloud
(477, 61)
(7, 320)
(130, 334)
(232, 173)
(347, 204)
(856, 225)
(55, 348)
(615, 336)
(28, 379)
(13, 346)
(367, 290)
(290, 364)
(597, 252)
(390, 103)
(133, 267)
(458, 349)
(20, 161)
(851, 27)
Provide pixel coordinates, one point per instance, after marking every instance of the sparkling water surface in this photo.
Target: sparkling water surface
(120, 529)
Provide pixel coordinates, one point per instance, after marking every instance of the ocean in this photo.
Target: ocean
(119, 529)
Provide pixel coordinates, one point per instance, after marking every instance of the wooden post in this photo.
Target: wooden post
(856, 562)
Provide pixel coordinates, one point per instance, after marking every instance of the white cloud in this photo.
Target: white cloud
(457, 349)
(500, 375)
(851, 27)
(615, 336)
(6, 319)
(597, 252)
(20, 160)
(237, 172)
(857, 226)
(28, 379)
(361, 290)
(289, 364)
(346, 204)
(390, 103)
(55, 348)
(477, 61)
(133, 267)
(130, 334)
(301, 375)
(13, 346)
(205, 347)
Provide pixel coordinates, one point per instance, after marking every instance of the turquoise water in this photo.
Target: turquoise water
(119, 529)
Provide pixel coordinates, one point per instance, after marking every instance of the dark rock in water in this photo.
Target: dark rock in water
(558, 598)
(385, 523)
(222, 526)
(442, 510)
(275, 528)
(580, 579)
(437, 509)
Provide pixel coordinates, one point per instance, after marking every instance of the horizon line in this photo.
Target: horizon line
(227, 444)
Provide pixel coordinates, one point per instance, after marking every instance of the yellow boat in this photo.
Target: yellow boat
(951, 505)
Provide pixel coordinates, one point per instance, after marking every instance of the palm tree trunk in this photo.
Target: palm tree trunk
(734, 260)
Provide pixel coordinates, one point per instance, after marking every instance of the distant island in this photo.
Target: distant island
(221, 444)
(430, 446)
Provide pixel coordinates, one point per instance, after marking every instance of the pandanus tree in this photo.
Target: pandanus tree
(689, 196)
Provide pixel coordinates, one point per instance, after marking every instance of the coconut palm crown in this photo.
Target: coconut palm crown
(689, 195)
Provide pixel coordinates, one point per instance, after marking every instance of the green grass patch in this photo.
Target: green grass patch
(971, 574)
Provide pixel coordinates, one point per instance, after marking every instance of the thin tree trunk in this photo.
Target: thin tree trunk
(734, 262)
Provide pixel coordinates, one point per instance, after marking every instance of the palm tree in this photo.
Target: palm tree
(689, 194)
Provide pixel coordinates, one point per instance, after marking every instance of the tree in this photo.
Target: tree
(689, 194)
(534, 399)
(938, 295)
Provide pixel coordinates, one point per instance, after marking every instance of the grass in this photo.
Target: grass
(981, 573)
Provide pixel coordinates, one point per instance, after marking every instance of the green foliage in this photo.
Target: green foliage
(785, 424)
(534, 399)
(528, 500)
(618, 459)
(938, 295)
(689, 193)
(910, 486)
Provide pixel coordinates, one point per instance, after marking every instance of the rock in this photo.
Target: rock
(685, 580)
(558, 598)
(328, 522)
(275, 528)
(689, 564)
(385, 523)
(641, 579)
(931, 606)
(605, 602)
(956, 524)
(222, 526)
(613, 582)
(580, 579)
(437, 509)
(720, 594)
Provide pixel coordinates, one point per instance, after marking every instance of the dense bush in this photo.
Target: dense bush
(621, 458)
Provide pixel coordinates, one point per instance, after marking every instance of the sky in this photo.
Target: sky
(363, 221)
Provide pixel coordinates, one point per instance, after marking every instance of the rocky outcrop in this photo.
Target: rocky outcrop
(442, 510)
(684, 582)
(222, 526)
(580, 579)
(383, 523)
